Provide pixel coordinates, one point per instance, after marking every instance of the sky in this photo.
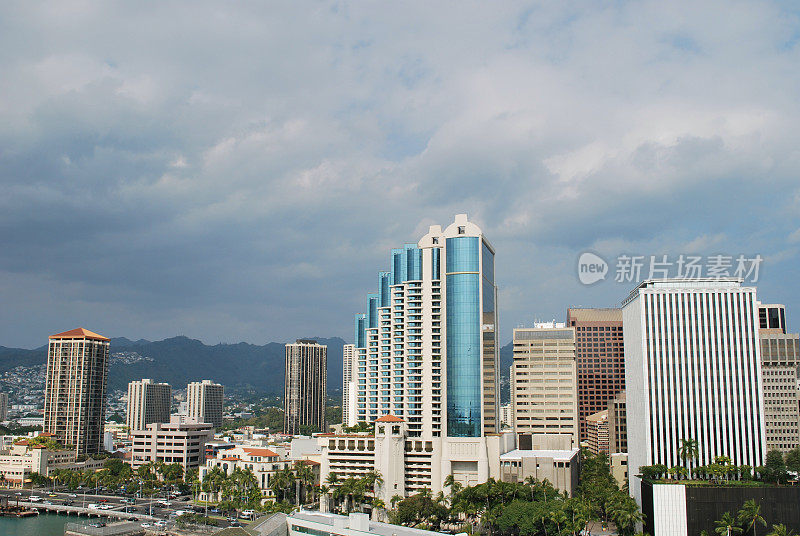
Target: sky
(239, 171)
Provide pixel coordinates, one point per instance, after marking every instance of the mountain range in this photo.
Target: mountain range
(180, 360)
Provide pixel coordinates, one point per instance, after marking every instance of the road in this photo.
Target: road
(145, 507)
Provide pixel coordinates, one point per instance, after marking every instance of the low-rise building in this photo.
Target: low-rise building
(303, 523)
(262, 462)
(173, 442)
(560, 467)
(23, 458)
(409, 464)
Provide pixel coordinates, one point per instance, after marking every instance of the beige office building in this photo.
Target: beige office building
(205, 402)
(75, 389)
(305, 387)
(148, 402)
(349, 385)
(543, 381)
(617, 425)
(172, 442)
(780, 359)
(597, 432)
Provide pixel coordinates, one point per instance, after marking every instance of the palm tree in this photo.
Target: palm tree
(781, 530)
(305, 477)
(727, 525)
(750, 515)
(689, 450)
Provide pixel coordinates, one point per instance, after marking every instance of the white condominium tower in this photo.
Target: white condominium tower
(426, 345)
(692, 371)
(205, 401)
(75, 389)
(349, 385)
(148, 402)
(305, 387)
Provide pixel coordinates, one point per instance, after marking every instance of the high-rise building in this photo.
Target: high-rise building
(692, 371)
(597, 432)
(543, 379)
(75, 389)
(617, 425)
(205, 402)
(426, 369)
(600, 357)
(148, 402)
(427, 349)
(780, 367)
(305, 388)
(349, 385)
(3, 406)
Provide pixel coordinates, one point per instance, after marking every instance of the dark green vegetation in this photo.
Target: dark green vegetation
(179, 360)
(529, 508)
(748, 520)
(722, 472)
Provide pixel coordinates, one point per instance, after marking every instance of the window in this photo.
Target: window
(461, 229)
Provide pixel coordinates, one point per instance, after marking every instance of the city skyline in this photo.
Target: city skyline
(224, 191)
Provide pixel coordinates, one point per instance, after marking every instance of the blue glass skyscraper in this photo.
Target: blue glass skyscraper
(426, 346)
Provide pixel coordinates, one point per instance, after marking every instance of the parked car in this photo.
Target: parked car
(69, 502)
(72, 495)
(34, 498)
(247, 514)
(146, 525)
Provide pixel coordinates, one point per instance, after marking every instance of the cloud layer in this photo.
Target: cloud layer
(239, 173)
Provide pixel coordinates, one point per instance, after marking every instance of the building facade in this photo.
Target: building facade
(262, 462)
(349, 385)
(19, 460)
(780, 360)
(692, 361)
(772, 317)
(3, 406)
(205, 402)
(182, 443)
(426, 363)
(305, 387)
(543, 381)
(148, 402)
(600, 355)
(617, 425)
(75, 389)
(597, 432)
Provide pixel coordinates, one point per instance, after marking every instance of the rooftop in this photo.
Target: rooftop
(389, 418)
(559, 455)
(607, 314)
(375, 527)
(79, 333)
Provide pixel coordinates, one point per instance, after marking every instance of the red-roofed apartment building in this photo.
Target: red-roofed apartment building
(262, 462)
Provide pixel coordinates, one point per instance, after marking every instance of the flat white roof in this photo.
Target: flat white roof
(560, 455)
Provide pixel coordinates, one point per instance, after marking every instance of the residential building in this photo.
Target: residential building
(349, 385)
(780, 361)
(543, 381)
(692, 371)
(172, 442)
(427, 355)
(600, 356)
(262, 462)
(305, 387)
(19, 460)
(75, 389)
(205, 402)
(617, 425)
(148, 402)
(3, 406)
(597, 432)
